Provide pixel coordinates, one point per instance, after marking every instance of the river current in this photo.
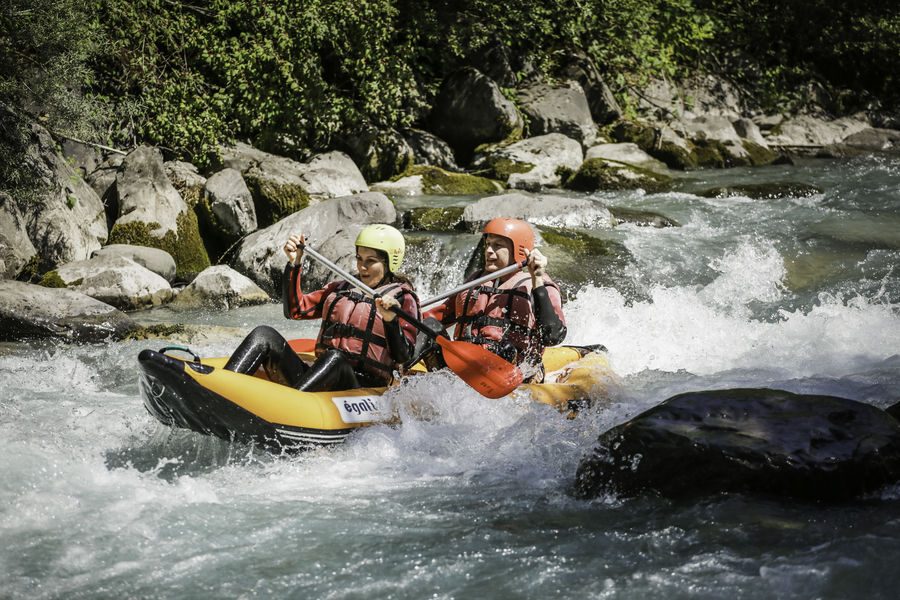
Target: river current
(470, 498)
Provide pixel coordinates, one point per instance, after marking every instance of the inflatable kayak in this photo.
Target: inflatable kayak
(198, 394)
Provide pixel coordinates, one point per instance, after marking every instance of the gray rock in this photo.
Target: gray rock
(146, 195)
(429, 149)
(470, 110)
(103, 178)
(15, 247)
(241, 156)
(33, 312)
(331, 227)
(83, 157)
(749, 130)
(154, 259)
(627, 153)
(117, 281)
(538, 209)
(379, 153)
(231, 203)
(559, 109)
(220, 287)
(869, 141)
(601, 101)
(412, 185)
(808, 130)
(820, 448)
(332, 175)
(546, 155)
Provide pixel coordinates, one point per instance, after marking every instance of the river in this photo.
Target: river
(98, 500)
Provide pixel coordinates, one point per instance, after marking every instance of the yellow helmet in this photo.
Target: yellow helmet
(386, 239)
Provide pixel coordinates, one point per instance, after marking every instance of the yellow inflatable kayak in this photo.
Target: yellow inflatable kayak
(198, 394)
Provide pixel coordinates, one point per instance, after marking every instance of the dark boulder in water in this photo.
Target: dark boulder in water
(820, 448)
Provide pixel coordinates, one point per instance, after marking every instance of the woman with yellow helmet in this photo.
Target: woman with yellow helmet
(361, 340)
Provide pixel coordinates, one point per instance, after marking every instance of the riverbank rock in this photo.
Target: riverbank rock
(379, 153)
(559, 109)
(29, 312)
(867, 141)
(423, 179)
(158, 261)
(533, 163)
(226, 208)
(16, 249)
(602, 103)
(812, 131)
(629, 154)
(718, 144)
(600, 174)
(220, 287)
(434, 219)
(63, 216)
(537, 209)
(641, 218)
(331, 227)
(470, 110)
(152, 213)
(115, 280)
(429, 149)
(820, 448)
(659, 141)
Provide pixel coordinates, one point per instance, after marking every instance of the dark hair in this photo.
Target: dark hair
(389, 276)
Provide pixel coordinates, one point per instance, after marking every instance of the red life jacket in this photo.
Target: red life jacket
(351, 322)
(491, 316)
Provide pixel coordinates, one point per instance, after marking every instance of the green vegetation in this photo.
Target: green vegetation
(438, 181)
(435, 218)
(51, 279)
(185, 246)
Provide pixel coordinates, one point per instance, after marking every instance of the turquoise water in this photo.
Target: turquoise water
(470, 497)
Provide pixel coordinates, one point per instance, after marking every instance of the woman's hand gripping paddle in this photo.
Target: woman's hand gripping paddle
(481, 369)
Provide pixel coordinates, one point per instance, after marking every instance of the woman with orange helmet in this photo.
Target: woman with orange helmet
(521, 313)
(361, 340)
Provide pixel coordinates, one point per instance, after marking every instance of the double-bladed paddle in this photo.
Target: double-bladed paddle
(487, 373)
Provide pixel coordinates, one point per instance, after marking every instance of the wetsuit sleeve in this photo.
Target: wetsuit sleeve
(401, 334)
(295, 303)
(550, 318)
(445, 312)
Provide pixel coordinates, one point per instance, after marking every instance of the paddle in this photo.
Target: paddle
(470, 284)
(484, 371)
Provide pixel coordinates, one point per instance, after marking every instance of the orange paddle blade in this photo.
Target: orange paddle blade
(484, 371)
(299, 346)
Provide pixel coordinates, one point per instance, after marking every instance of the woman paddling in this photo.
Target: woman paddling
(518, 316)
(361, 340)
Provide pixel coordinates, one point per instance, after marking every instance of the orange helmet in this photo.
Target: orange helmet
(517, 231)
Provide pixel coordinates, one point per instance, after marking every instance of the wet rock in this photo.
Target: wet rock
(115, 280)
(470, 110)
(220, 287)
(577, 259)
(820, 448)
(867, 141)
(537, 209)
(600, 174)
(763, 191)
(331, 227)
(30, 312)
(429, 149)
(154, 259)
(532, 163)
(558, 109)
(641, 218)
(152, 213)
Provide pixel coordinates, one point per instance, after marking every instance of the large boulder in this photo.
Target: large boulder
(117, 281)
(103, 181)
(627, 153)
(659, 141)
(187, 180)
(538, 209)
(718, 144)
(231, 211)
(330, 226)
(16, 249)
(812, 131)
(33, 312)
(379, 153)
(558, 109)
(220, 287)
(152, 213)
(154, 259)
(867, 141)
(423, 179)
(532, 163)
(429, 149)
(601, 101)
(820, 448)
(63, 215)
(470, 110)
(601, 174)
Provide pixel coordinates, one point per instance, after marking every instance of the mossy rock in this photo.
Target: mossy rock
(710, 153)
(646, 138)
(437, 181)
(642, 218)
(636, 133)
(763, 191)
(51, 279)
(215, 238)
(602, 174)
(435, 218)
(501, 167)
(185, 245)
(273, 201)
(759, 155)
(576, 243)
(674, 156)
